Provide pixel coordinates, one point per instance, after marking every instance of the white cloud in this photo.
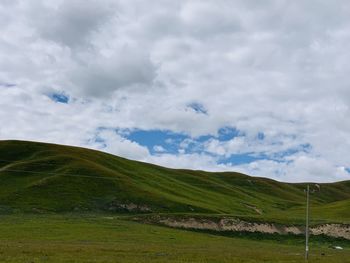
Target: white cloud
(278, 68)
(113, 143)
(69, 22)
(127, 67)
(301, 169)
(159, 148)
(226, 148)
(189, 161)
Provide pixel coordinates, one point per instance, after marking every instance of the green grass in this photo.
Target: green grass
(56, 201)
(95, 238)
(48, 178)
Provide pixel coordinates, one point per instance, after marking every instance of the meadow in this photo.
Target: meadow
(97, 238)
(48, 178)
(69, 204)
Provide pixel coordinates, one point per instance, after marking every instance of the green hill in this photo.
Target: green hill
(39, 177)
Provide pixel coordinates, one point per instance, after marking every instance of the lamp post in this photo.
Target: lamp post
(315, 188)
(307, 224)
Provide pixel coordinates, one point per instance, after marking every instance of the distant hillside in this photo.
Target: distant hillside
(39, 177)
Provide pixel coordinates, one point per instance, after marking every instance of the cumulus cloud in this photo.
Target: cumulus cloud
(278, 68)
(159, 148)
(127, 67)
(300, 169)
(110, 141)
(69, 23)
(189, 161)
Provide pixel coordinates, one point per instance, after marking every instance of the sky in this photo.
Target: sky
(259, 87)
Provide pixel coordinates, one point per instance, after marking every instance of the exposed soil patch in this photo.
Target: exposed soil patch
(237, 225)
(333, 230)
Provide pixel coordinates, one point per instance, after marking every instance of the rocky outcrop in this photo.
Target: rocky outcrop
(333, 230)
(237, 225)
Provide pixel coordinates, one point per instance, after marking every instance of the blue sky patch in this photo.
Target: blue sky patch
(301, 148)
(261, 136)
(228, 133)
(198, 108)
(165, 141)
(150, 138)
(59, 97)
(237, 159)
(172, 142)
(204, 138)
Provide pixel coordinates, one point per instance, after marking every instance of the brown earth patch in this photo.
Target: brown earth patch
(237, 225)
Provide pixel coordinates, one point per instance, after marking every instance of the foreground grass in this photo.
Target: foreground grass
(51, 238)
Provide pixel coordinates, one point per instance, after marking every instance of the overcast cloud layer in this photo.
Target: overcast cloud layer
(277, 73)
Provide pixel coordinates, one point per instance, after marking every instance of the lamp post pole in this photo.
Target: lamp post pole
(307, 225)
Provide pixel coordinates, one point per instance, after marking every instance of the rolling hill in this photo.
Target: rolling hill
(49, 178)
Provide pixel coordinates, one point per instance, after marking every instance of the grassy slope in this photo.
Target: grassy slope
(60, 238)
(60, 178)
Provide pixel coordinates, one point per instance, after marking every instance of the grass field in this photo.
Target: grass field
(54, 178)
(69, 204)
(96, 238)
